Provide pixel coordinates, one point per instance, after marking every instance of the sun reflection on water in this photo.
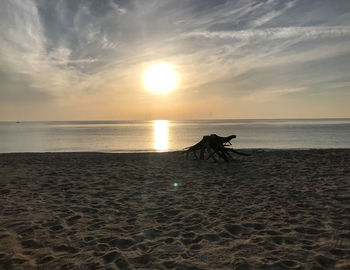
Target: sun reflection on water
(160, 137)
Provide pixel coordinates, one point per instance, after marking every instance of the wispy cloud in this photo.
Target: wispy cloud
(272, 14)
(265, 95)
(345, 84)
(277, 33)
(117, 7)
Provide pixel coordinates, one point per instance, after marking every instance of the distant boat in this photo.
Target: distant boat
(18, 122)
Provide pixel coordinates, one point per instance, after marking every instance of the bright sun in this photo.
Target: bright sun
(160, 78)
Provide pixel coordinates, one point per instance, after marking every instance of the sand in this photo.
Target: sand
(272, 210)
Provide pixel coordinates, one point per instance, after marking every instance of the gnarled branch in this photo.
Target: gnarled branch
(215, 147)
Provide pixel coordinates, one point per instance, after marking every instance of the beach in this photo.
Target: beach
(284, 209)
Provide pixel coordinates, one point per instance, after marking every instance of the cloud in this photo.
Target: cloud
(117, 7)
(345, 84)
(108, 44)
(277, 33)
(72, 50)
(272, 14)
(23, 47)
(270, 94)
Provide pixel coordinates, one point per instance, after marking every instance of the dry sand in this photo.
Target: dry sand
(273, 210)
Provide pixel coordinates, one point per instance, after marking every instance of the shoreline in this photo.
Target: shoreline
(178, 151)
(284, 209)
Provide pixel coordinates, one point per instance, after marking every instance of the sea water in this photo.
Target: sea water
(166, 135)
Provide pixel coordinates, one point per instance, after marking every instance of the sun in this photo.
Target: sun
(160, 78)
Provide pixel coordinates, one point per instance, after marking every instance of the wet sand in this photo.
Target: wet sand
(272, 210)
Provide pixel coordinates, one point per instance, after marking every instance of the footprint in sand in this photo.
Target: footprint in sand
(122, 244)
(196, 247)
(56, 228)
(142, 247)
(326, 262)
(289, 264)
(151, 234)
(122, 263)
(188, 235)
(189, 241)
(32, 244)
(142, 261)
(211, 237)
(340, 252)
(102, 247)
(111, 256)
(72, 220)
(18, 260)
(233, 229)
(308, 230)
(4, 235)
(64, 248)
(88, 238)
(45, 259)
(169, 264)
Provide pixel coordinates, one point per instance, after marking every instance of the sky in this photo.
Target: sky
(84, 60)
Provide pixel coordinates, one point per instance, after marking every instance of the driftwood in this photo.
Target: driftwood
(215, 146)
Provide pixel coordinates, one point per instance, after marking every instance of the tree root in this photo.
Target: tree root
(213, 147)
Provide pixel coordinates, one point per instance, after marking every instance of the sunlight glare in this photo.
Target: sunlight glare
(160, 78)
(160, 128)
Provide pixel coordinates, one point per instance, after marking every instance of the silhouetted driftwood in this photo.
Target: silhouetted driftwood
(215, 147)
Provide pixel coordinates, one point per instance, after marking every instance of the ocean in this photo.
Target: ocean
(166, 135)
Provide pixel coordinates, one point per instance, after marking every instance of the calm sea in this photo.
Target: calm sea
(163, 135)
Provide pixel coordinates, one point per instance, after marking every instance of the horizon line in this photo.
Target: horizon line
(207, 119)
